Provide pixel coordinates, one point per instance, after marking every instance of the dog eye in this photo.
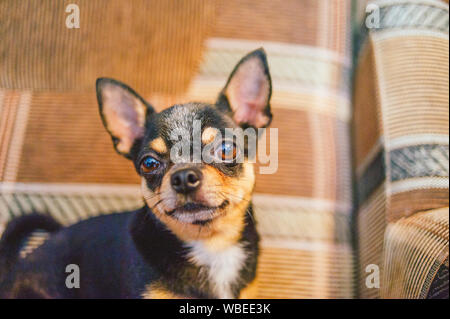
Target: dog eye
(149, 164)
(226, 151)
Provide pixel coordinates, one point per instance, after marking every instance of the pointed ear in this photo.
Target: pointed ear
(248, 91)
(124, 113)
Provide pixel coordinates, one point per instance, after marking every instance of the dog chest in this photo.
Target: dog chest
(223, 266)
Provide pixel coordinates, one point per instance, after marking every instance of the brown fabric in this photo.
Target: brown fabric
(65, 142)
(366, 123)
(279, 265)
(413, 80)
(173, 52)
(407, 203)
(63, 161)
(308, 22)
(138, 42)
(297, 175)
(401, 149)
(8, 115)
(414, 73)
(415, 248)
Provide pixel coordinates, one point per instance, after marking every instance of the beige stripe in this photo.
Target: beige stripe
(306, 65)
(416, 139)
(295, 202)
(6, 126)
(11, 203)
(23, 203)
(389, 34)
(17, 138)
(71, 216)
(418, 183)
(76, 203)
(277, 48)
(304, 245)
(74, 189)
(37, 202)
(265, 201)
(285, 95)
(302, 224)
(35, 240)
(54, 210)
(283, 69)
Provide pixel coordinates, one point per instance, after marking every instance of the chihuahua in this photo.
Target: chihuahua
(195, 237)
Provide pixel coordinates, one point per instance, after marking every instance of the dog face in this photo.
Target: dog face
(203, 195)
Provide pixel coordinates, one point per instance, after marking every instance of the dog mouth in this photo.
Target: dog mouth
(197, 213)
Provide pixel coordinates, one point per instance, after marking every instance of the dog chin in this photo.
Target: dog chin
(194, 213)
(198, 217)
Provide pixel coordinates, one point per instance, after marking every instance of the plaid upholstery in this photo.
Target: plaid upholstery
(422, 237)
(53, 146)
(401, 147)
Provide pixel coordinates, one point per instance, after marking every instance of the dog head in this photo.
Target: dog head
(196, 177)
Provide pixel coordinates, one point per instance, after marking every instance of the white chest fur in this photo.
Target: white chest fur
(223, 266)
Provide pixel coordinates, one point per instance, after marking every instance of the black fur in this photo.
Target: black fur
(13, 238)
(118, 255)
(17, 231)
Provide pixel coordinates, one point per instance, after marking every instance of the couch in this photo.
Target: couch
(358, 207)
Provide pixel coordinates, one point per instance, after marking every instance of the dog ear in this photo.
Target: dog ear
(248, 90)
(124, 113)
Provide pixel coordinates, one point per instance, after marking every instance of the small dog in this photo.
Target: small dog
(194, 238)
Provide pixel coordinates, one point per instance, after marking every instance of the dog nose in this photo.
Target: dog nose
(186, 180)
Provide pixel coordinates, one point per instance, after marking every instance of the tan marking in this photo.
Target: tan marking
(209, 134)
(223, 231)
(158, 291)
(238, 191)
(251, 291)
(158, 145)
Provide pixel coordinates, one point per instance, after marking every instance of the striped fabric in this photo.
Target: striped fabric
(136, 41)
(401, 113)
(416, 249)
(55, 156)
(51, 123)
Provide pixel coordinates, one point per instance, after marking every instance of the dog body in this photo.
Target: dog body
(194, 238)
(129, 255)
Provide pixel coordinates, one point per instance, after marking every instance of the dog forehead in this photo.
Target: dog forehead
(182, 118)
